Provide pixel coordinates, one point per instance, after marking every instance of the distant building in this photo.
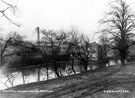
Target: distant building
(97, 52)
(132, 50)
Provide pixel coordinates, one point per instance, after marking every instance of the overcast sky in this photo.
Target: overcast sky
(57, 14)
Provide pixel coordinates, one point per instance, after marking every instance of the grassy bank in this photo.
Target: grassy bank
(91, 84)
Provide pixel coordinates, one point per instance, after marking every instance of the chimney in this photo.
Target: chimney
(38, 35)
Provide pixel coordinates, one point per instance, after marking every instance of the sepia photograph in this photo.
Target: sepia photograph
(67, 49)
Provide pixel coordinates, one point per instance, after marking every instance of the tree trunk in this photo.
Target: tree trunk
(56, 70)
(72, 66)
(38, 72)
(23, 77)
(47, 73)
(123, 55)
(85, 67)
(61, 72)
(123, 58)
(123, 62)
(57, 74)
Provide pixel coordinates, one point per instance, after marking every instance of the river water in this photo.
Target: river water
(33, 77)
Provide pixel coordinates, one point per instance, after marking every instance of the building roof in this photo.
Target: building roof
(94, 44)
(93, 51)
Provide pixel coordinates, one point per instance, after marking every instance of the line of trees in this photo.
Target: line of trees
(56, 51)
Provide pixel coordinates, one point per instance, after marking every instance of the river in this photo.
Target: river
(33, 77)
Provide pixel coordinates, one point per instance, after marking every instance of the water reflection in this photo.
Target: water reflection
(33, 77)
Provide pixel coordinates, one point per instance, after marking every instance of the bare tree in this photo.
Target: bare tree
(120, 24)
(5, 44)
(104, 41)
(55, 42)
(46, 58)
(8, 7)
(67, 50)
(80, 48)
(24, 56)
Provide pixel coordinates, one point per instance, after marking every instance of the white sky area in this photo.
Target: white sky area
(57, 14)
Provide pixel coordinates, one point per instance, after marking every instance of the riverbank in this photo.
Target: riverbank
(113, 81)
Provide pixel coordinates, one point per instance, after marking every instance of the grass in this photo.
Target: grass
(90, 84)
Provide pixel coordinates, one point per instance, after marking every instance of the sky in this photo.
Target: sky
(56, 14)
